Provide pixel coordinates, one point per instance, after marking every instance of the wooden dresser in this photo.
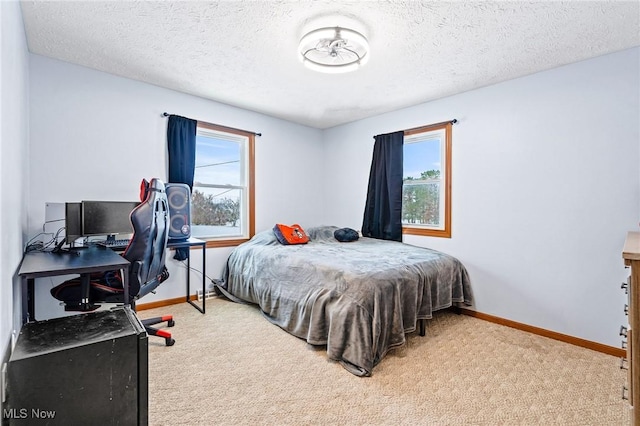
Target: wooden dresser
(631, 331)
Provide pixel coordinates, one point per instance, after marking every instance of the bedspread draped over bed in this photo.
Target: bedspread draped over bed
(358, 298)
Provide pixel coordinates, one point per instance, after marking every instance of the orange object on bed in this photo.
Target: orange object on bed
(293, 234)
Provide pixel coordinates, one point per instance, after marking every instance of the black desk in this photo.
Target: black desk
(83, 261)
(193, 242)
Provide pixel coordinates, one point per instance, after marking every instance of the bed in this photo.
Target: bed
(358, 298)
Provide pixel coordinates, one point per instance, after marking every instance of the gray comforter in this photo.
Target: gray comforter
(357, 298)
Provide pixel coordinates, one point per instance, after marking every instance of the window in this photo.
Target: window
(222, 200)
(426, 182)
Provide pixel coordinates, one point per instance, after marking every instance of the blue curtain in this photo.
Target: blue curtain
(181, 141)
(383, 209)
(181, 138)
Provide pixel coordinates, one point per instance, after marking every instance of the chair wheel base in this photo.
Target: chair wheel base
(152, 331)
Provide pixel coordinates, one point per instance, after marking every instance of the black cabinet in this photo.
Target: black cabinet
(85, 369)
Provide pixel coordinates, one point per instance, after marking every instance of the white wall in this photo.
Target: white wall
(14, 135)
(96, 135)
(545, 177)
(545, 188)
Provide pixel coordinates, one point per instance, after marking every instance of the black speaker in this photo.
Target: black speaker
(179, 197)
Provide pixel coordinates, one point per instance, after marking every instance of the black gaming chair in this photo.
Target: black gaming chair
(145, 252)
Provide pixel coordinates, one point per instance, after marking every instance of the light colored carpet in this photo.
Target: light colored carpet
(232, 367)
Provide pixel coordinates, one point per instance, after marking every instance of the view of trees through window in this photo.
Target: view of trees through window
(206, 209)
(421, 199)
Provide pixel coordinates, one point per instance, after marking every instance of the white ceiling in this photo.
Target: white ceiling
(244, 53)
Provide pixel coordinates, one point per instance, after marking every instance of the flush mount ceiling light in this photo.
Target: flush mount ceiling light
(334, 50)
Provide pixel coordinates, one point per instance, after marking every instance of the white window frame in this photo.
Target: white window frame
(246, 187)
(422, 134)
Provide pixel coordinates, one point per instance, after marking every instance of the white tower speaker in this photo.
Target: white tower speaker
(179, 197)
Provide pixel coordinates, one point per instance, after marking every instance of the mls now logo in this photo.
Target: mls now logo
(23, 413)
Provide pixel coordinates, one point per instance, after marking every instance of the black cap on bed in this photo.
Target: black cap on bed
(345, 235)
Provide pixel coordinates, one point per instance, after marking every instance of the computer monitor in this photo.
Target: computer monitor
(72, 222)
(107, 217)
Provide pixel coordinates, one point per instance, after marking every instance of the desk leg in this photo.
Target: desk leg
(124, 273)
(204, 296)
(189, 278)
(204, 274)
(28, 300)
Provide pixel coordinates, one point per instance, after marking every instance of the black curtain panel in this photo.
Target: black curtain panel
(383, 209)
(181, 141)
(181, 138)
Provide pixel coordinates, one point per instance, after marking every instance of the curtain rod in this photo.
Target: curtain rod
(454, 121)
(166, 114)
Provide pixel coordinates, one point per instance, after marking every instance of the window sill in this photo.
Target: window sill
(442, 233)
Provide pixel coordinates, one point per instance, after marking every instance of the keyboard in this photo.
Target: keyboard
(115, 244)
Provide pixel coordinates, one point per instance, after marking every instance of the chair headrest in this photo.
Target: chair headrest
(156, 185)
(146, 186)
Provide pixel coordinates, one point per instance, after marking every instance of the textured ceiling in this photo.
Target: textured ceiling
(244, 53)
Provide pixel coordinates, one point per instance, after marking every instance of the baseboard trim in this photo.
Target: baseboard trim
(599, 347)
(6, 355)
(165, 302)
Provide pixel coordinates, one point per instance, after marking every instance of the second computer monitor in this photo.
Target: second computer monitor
(107, 217)
(72, 222)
